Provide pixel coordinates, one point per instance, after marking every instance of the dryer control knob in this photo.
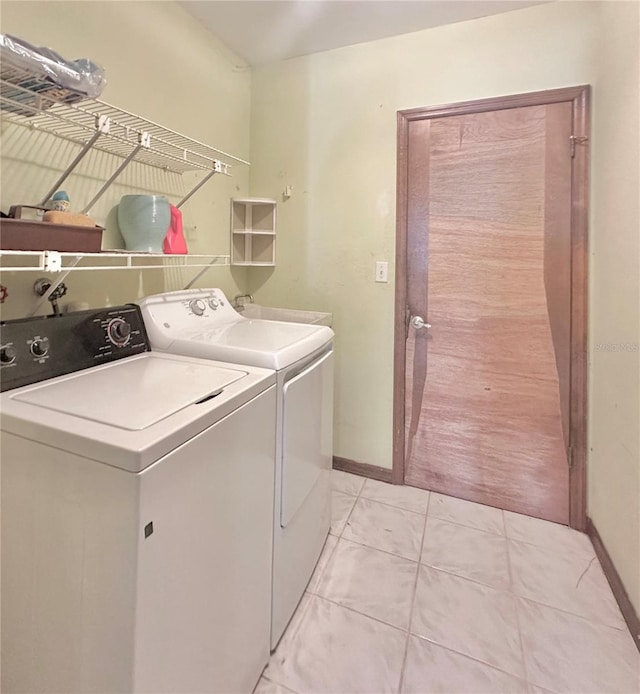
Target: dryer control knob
(197, 306)
(119, 332)
(213, 303)
(8, 354)
(40, 347)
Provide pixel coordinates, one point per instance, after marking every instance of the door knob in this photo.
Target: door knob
(418, 322)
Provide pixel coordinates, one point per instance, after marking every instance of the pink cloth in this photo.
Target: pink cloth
(174, 243)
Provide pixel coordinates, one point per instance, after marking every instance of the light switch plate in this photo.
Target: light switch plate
(382, 271)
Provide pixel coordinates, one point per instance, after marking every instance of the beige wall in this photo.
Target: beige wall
(163, 65)
(326, 125)
(614, 409)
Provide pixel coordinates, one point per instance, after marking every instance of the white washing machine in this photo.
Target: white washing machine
(136, 512)
(202, 323)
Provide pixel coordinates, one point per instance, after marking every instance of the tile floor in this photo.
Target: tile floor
(419, 593)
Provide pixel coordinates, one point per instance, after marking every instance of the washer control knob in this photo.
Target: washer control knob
(197, 306)
(40, 347)
(214, 303)
(119, 332)
(8, 354)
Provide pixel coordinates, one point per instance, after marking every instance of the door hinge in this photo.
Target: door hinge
(573, 141)
(570, 457)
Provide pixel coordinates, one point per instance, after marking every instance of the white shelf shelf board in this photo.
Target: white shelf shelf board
(52, 261)
(255, 264)
(256, 201)
(253, 232)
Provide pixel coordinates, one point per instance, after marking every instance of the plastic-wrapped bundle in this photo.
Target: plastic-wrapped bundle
(41, 70)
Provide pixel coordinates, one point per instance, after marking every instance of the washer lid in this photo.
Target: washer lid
(136, 395)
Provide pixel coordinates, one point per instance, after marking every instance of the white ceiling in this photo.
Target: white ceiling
(264, 31)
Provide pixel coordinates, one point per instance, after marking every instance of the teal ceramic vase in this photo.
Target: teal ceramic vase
(144, 221)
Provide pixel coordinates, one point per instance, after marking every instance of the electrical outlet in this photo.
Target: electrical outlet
(382, 271)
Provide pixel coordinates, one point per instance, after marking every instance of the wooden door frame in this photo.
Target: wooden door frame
(579, 98)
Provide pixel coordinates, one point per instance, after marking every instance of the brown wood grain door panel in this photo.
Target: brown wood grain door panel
(488, 224)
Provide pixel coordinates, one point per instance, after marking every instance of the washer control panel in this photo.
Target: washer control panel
(210, 304)
(176, 315)
(34, 349)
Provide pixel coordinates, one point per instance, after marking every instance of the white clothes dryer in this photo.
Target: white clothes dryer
(136, 512)
(202, 323)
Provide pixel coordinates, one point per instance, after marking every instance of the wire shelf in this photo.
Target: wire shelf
(31, 101)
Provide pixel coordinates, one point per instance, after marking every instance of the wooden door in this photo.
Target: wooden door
(487, 388)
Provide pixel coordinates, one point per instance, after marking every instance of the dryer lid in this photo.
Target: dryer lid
(259, 335)
(267, 344)
(132, 394)
(201, 323)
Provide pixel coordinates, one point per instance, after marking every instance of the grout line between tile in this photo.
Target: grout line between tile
(506, 542)
(376, 549)
(594, 622)
(339, 491)
(390, 505)
(362, 614)
(537, 601)
(543, 545)
(346, 521)
(350, 474)
(553, 549)
(519, 601)
(471, 657)
(413, 600)
(484, 585)
(466, 525)
(517, 608)
(469, 527)
(398, 508)
(466, 578)
(511, 590)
